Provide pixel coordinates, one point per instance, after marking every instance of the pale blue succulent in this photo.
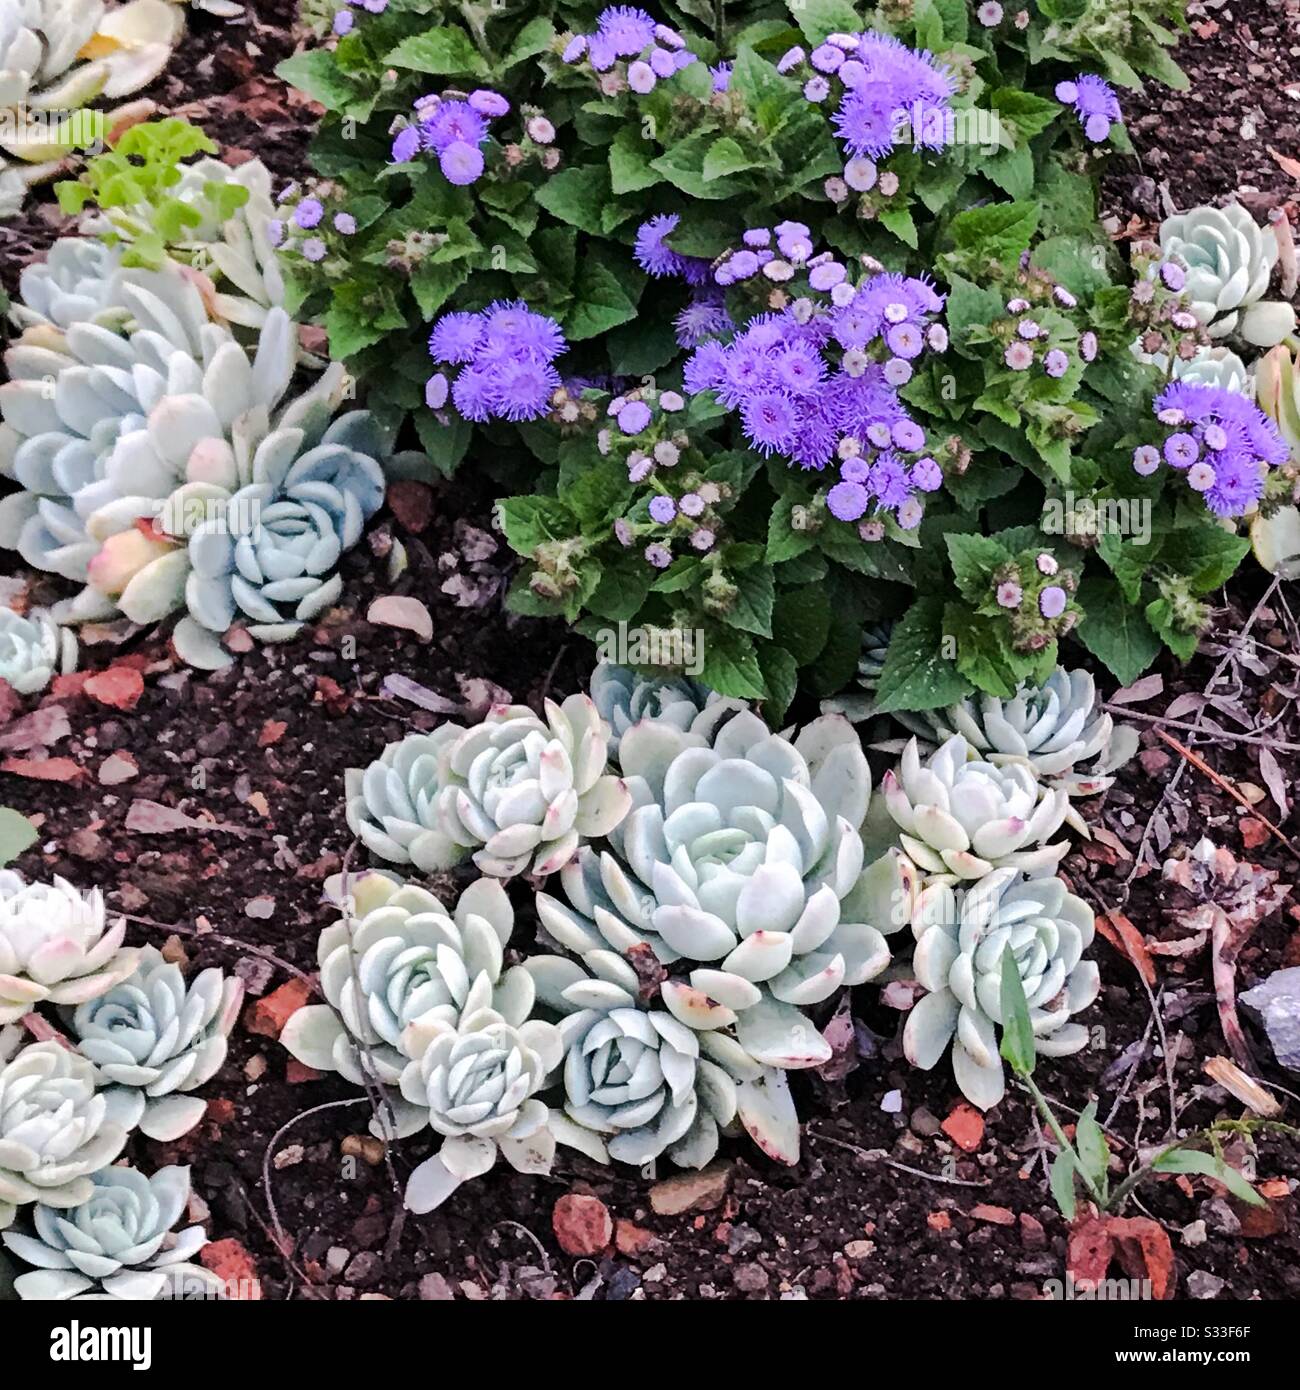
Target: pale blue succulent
(33, 650)
(118, 1243)
(625, 698)
(75, 283)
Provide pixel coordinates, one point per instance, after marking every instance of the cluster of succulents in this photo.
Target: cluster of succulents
(139, 1041)
(45, 80)
(170, 468)
(521, 793)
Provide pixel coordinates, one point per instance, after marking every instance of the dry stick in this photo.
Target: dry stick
(1133, 1069)
(879, 1156)
(1222, 782)
(1160, 719)
(1229, 653)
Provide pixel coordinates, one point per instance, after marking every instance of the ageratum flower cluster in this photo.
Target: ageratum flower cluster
(1221, 441)
(453, 127)
(345, 21)
(817, 380)
(651, 51)
(505, 353)
(886, 94)
(1094, 102)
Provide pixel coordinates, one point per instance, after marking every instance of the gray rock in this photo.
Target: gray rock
(1202, 1284)
(1276, 1003)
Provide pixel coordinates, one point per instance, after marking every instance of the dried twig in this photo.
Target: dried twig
(879, 1156)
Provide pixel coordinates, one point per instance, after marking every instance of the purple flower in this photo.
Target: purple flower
(1010, 594)
(662, 509)
(989, 14)
(1056, 363)
(1181, 450)
(910, 513)
(826, 276)
(702, 538)
(522, 387)
(659, 556)
(626, 29)
(472, 393)
(488, 103)
(1173, 275)
(407, 145)
(847, 501)
(623, 532)
(574, 49)
(651, 250)
(1046, 563)
(926, 475)
(275, 231)
(345, 224)
(308, 213)
(671, 401)
(436, 391)
(540, 131)
(905, 339)
(1064, 297)
(791, 58)
(1052, 601)
(895, 79)
(721, 75)
(701, 319)
(455, 337)
(460, 163)
(816, 89)
(1088, 346)
(314, 249)
(908, 435)
(634, 417)
(452, 122)
(639, 467)
(1095, 104)
(770, 419)
(826, 57)
(1028, 329)
(343, 23)
(1018, 356)
(641, 77)
(1146, 459)
(691, 504)
(860, 174)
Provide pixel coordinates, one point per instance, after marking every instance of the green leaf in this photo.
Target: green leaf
(1210, 1166)
(918, 673)
(899, 222)
(817, 18)
(1094, 1152)
(970, 305)
(359, 316)
(629, 163)
(443, 52)
(605, 294)
(801, 621)
(726, 157)
(17, 833)
(1017, 1029)
(1114, 631)
(1061, 1180)
(753, 608)
(731, 665)
(577, 196)
(622, 590)
(433, 285)
(683, 166)
(315, 72)
(1028, 115)
(973, 559)
(534, 38)
(1205, 555)
(998, 231)
(782, 679)
(532, 521)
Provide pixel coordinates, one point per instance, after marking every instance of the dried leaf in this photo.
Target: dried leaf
(1249, 1092)
(1129, 942)
(1274, 781)
(1145, 689)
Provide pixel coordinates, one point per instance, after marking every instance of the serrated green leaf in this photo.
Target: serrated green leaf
(443, 52)
(919, 673)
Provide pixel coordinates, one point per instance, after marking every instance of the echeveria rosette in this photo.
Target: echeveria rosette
(156, 1040)
(1222, 443)
(624, 698)
(527, 793)
(392, 805)
(406, 962)
(56, 1129)
(1229, 259)
(478, 1083)
(118, 1243)
(1052, 728)
(961, 937)
(638, 1083)
(960, 815)
(742, 859)
(73, 284)
(56, 946)
(33, 650)
(271, 558)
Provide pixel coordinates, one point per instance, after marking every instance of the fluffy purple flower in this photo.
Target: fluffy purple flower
(898, 83)
(460, 163)
(662, 509)
(1181, 450)
(908, 435)
(651, 250)
(1173, 275)
(452, 122)
(634, 417)
(345, 224)
(889, 482)
(816, 89)
(522, 387)
(1088, 346)
(436, 391)
(1146, 459)
(488, 103)
(721, 75)
(1056, 363)
(472, 393)
(847, 501)
(275, 231)
(791, 58)
(1018, 356)
(1052, 601)
(314, 249)
(574, 49)
(701, 319)
(659, 556)
(406, 145)
(1095, 104)
(641, 77)
(860, 174)
(705, 368)
(1009, 594)
(626, 29)
(455, 338)
(926, 475)
(343, 23)
(691, 504)
(826, 57)
(769, 418)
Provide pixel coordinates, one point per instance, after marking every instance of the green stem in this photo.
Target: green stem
(1059, 1134)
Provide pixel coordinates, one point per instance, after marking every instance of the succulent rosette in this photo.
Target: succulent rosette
(962, 936)
(405, 964)
(33, 650)
(478, 1082)
(393, 805)
(56, 1129)
(527, 793)
(56, 945)
(118, 1243)
(623, 698)
(743, 859)
(157, 1039)
(639, 1083)
(964, 816)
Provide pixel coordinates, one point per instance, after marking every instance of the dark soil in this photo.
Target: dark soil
(883, 1203)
